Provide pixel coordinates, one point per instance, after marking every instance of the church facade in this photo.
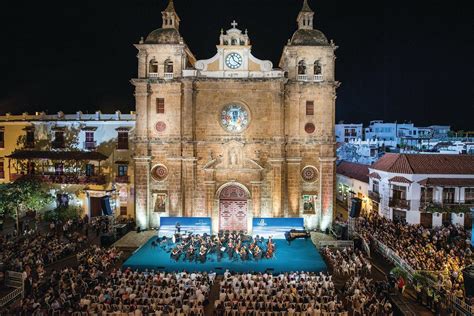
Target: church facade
(231, 137)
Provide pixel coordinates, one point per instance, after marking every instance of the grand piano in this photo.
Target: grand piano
(296, 233)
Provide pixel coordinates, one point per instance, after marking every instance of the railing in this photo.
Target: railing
(153, 75)
(395, 258)
(302, 77)
(15, 280)
(68, 178)
(58, 144)
(336, 243)
(122, 145)
(374, 196)
(401, 203)
(89, 144)
(13, 295)
(318, 78)
(168, 75)
(122, 179)
(460, 306)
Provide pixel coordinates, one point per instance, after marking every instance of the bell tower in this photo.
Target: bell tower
(310, 98)
(170, 17)
(305, 17)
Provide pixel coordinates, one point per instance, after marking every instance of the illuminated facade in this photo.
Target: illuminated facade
(81, 157)
(231, 137)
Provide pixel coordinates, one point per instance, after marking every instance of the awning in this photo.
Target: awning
(375, 175)
(447, 182)
(400, 180)
(121, 162)
(57, 155)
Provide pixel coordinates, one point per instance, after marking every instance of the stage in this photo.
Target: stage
(301, 255)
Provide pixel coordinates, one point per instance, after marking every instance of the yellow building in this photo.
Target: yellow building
(231, 137)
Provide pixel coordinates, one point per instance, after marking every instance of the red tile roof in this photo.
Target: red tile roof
(425, 164)
(354, 170)
(441, 182)
(400, 180)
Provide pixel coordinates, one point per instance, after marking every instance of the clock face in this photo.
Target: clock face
(233, 60)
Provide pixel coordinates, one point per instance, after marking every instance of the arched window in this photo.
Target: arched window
(234, 41)
(153, 66)
(301, 68)
(168, 66)
(317, 68)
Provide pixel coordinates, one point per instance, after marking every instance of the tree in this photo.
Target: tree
(23, 195)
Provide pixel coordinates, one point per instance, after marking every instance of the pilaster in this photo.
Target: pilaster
(294, 186)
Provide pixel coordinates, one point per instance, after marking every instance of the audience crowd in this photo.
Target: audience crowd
(444, 251)
(346, 261)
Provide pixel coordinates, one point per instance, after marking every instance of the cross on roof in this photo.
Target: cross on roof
(234, 24)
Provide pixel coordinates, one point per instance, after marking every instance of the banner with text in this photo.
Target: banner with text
(196, 225)
(275, 227)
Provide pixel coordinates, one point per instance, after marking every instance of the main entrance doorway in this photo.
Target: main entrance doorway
(233, 208)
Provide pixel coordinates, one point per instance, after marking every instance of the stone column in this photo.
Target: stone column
(142, 191)
(142, 63)
(210, 198)
(188, 183)
(174, 187)
(256, 197)
(294, 186)
(276, 187)
(327, 169)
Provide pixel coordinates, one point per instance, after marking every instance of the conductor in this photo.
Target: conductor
(178, 227)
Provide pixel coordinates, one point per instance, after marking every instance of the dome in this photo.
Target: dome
(163, 36)
(304, 37)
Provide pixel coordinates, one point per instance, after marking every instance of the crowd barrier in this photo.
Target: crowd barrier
(335, 243)
(14, 280)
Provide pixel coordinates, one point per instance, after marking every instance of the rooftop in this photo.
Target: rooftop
(354, 170)
(425, 164)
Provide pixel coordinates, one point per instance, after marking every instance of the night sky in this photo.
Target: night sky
(397, 60)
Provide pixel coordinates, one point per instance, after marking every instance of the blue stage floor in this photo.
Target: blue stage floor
(301, 255)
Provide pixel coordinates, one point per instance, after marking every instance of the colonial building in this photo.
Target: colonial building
(81, 157)
(352, 181)
(412, 186)
(231, 137)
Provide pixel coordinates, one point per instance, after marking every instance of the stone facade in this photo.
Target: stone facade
(235, 120)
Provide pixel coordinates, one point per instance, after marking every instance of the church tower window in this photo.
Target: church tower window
(153, 66)
(309, 107)
(168, 66)
(301, 68)
(160, 106)
(317, 68)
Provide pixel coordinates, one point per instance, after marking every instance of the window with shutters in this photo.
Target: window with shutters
(309, 107)
(160, 106)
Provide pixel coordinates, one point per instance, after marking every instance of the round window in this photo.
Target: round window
(234, 118)
(309, 174)
(309, 128)
(159, 172)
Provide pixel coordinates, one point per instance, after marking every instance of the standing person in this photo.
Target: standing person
(401, 284)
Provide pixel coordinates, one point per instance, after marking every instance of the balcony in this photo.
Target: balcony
(122, 145)
(399, 203)
(122, 179)
(153, 75)
(374, 196)
(302, 77)
(89, 145)
(67, 178)
(318, 78)
(58, 144)
(169, 75)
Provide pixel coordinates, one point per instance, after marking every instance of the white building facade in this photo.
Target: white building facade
(349, 132)
(406, 186)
